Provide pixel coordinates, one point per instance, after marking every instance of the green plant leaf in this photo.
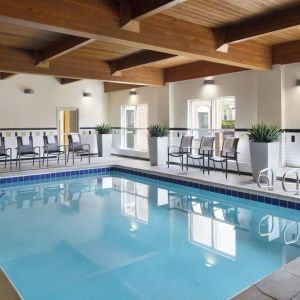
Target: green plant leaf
(263, 133)
(158, 130)
(103, 128)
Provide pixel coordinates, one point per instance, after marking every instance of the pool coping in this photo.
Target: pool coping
(8, 290)
(284, 283)
(263, 196)
(267, 197)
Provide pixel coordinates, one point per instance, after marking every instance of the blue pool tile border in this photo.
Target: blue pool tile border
(106, 170)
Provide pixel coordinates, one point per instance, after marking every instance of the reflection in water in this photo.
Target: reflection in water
(134, 199)
(112, 236)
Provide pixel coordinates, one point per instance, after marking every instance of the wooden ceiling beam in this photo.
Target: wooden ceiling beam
(137, 59)
(59, 48)
(198, 70)
(20, 61)
(286, 53)
(114, 86)
(6, 75)
(64, 81)
(257, 26)
(159, 33)
(133, 11)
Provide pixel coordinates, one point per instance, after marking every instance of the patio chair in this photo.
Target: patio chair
(25, 148)
(179, 151)
(206, 146)
(5, 152)
(228, 153)
(75, 146)
(52, 147)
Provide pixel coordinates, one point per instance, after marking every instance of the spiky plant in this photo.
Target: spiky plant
(263, 133)
(103, 128)
(158, 130)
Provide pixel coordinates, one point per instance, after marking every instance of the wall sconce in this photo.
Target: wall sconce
(86, 94)
(132, 92)
(208, 82)
(28, 91)
(297, 82)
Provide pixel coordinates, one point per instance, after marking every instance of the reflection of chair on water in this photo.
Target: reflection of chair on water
(69, 200)
(52, 192)
(4, 199)
(29, 193)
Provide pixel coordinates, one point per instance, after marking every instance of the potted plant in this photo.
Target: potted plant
(158, 144)
(104, 138)
(264, 147)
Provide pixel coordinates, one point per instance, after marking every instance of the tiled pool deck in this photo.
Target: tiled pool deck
(282, 284)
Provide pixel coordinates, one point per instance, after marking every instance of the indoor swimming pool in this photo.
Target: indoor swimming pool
(122, 236)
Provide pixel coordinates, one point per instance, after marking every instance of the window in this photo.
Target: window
(134, 127)
(207, 115)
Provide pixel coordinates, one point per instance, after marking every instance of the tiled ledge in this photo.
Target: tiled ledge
(182, 179)
(283, 284)
(7, 289)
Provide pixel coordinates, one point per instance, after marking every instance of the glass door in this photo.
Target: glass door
(130, 125)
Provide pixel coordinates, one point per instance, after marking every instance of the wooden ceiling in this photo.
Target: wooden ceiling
(146, 42)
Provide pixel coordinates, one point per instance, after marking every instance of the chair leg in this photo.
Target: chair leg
(39, 158)
(168, 160)
(238, 167)
(58, 158)
(10, 162)
(65, 158)
(222, 167)
(47, 159)
(5, 162)
(19, 162)
(33, 160)
(73, 157)
(226, 168)
(43, 158)
(81, 155)
(68, 156)
(89, 156)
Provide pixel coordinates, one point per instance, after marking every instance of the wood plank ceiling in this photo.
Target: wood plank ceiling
(145, 42)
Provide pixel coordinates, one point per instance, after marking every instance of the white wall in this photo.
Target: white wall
(38, 110)
(269, 96)
(242, 85)
(157, 99)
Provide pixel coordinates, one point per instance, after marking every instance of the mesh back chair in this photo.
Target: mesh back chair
(51, 146)
(27, 149)
(5, 152)
(206, 147)
(75, 146)
(228, 152)
(179, 151)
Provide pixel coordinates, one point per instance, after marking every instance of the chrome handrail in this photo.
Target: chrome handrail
(296, 191)
(264, 174)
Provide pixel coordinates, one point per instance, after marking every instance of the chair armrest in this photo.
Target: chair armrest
(169, 147)
(88, 145)
(9, 150)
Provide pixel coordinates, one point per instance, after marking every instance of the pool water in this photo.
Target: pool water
(121, 236)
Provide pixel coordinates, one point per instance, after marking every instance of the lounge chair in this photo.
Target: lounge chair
(51, 147)
(228, 153)
(206, 147)
(75, 146)
(25, 148)
(179, 151)
(5, 152)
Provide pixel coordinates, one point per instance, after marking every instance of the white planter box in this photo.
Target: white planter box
(158, 150)
(264, 155)
(104, 144)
